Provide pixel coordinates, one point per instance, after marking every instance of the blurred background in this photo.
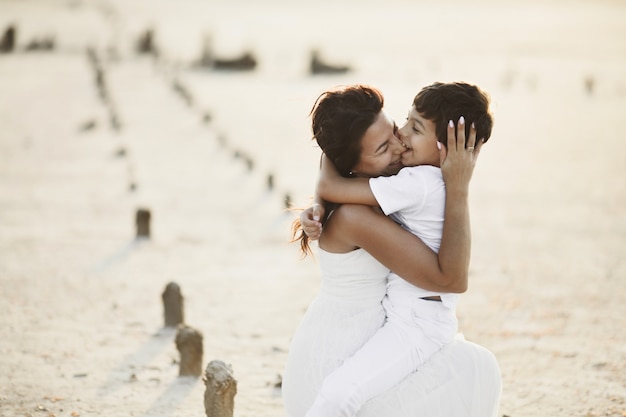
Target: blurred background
(545, 64)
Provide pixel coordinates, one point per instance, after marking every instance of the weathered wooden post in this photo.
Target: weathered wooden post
(270, 182)
(173, 305)
(145, 42)
(142, 221)
(589, 84)
(189, 344)
(221, 387)
(7, 43)
(287, 201)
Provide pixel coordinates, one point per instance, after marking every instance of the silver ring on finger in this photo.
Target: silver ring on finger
(470, 149)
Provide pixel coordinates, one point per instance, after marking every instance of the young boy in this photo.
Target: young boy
(419, 322)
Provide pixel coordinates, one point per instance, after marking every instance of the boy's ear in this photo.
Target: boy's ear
(443, 152)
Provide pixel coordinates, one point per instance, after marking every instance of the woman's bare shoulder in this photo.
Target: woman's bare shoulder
(344, 226)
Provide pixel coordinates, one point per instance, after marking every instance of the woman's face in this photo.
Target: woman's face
(418, 133)
(381, 150)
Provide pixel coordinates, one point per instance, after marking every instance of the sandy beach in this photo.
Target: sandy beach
(92, 130)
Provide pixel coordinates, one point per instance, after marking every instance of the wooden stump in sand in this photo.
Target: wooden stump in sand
(173, 305)
(287, 201)
(189, 344)
(221, 387)
(270, 182)
(7, 43)
(145, 42)
(142, 221)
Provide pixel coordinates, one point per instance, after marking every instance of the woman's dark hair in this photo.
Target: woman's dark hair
(340, 118)
(442, 102)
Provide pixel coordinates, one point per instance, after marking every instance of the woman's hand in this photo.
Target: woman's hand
(310, 219)
(457, 166)
(459, 159)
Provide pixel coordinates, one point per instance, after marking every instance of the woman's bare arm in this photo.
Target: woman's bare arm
(397, 249)
(457, 166)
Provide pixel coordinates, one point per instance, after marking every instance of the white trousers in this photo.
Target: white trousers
(412, 333)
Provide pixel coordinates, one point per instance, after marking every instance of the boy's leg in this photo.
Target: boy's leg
(385, 360)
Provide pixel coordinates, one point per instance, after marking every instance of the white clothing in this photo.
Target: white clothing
(393, 353)
(462, 379)
(415, 198)
(415, 328)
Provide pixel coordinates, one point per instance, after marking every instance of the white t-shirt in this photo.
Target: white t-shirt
(415, 198)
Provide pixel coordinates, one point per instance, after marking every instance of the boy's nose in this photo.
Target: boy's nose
(400, 145)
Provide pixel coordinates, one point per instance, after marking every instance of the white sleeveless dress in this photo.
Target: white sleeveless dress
(462, 380)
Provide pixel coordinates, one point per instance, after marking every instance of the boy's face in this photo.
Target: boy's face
(418, 133)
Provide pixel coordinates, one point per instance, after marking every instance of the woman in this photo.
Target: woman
(463, 379)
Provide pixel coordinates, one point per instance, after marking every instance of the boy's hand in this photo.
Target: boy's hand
(311, 221)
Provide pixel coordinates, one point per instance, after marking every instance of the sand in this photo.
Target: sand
(81, 325)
